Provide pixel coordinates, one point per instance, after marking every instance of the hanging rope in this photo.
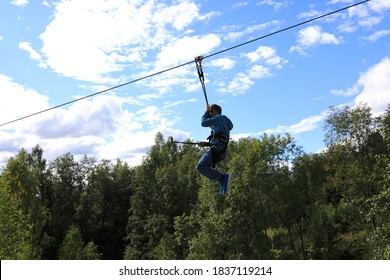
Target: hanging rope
(198, 61)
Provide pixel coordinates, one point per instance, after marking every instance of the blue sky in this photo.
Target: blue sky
(52, 52)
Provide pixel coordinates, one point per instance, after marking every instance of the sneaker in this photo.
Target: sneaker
(225, 183)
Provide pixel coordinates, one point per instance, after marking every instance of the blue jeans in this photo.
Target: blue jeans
(205, 163)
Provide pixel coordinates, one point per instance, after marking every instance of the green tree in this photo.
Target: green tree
(23, 181)
(15, 229)
(73, 248)
(358, 152)
(68, 182)
(238, 226)
(164, 189)
(103, 209)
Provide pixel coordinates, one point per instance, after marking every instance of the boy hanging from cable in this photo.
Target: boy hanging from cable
(218, 141)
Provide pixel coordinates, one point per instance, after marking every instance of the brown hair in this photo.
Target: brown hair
(217, 108)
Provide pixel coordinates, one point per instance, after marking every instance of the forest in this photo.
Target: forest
(283, 203)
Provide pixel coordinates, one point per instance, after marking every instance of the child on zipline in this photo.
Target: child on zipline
(218, 140)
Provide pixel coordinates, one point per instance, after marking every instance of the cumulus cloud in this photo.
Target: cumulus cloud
(89, 40)
(26, 46)
(262, 61)
(305, 125)
(276, 4)
(375, 84)
(239, 4)
(339, 1)
(372, 88)
(377, 35)
(348, 92)
(180, 51)
(18, 101)
(312, 36)
(379, 6)
(266, 55)
(223, 63)
(98, 117)
(366, 16)
(101, 126)
(19, 2)
(169, 104)
(179, 16)
(235, 35)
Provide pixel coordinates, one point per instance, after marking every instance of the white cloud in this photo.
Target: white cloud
(26, 46)
(183, 50)
(348, 92)
(266, 55)
(224, 63)
(261, 62)
(46, 3)
(97, 117)
(169, 104)
(19, 2)
(238, 85)
(305, 125)
(259, 72)
(339, 1)
(379, 6)
(179, 16)
(310, 14)
(375, 84)
(360, 11)
(235, 35)
(18, 101)
(276, 4)
(179, 77)
(367, 15)
(377, 35)
(347, 27)
(101, 126)
(372, 88)
(369, 22)
(312, 36)
(262, 52)
(89, 40)
(239, 4)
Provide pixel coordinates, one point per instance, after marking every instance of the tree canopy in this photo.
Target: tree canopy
(283, 203)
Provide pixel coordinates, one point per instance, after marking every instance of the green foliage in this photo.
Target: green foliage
(22, 206)
(282, 204)
(15, 230)
(102, 211)
(73, 248)
(165, 187)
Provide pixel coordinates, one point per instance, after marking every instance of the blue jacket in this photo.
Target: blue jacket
(218, 123)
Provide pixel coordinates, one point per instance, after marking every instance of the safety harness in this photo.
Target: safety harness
(216, 155)
(220, 136)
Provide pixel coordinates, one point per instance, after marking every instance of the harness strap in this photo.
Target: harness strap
(220, 136)
(216, 155)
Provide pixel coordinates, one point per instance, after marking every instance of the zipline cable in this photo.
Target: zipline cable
(187, 63)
